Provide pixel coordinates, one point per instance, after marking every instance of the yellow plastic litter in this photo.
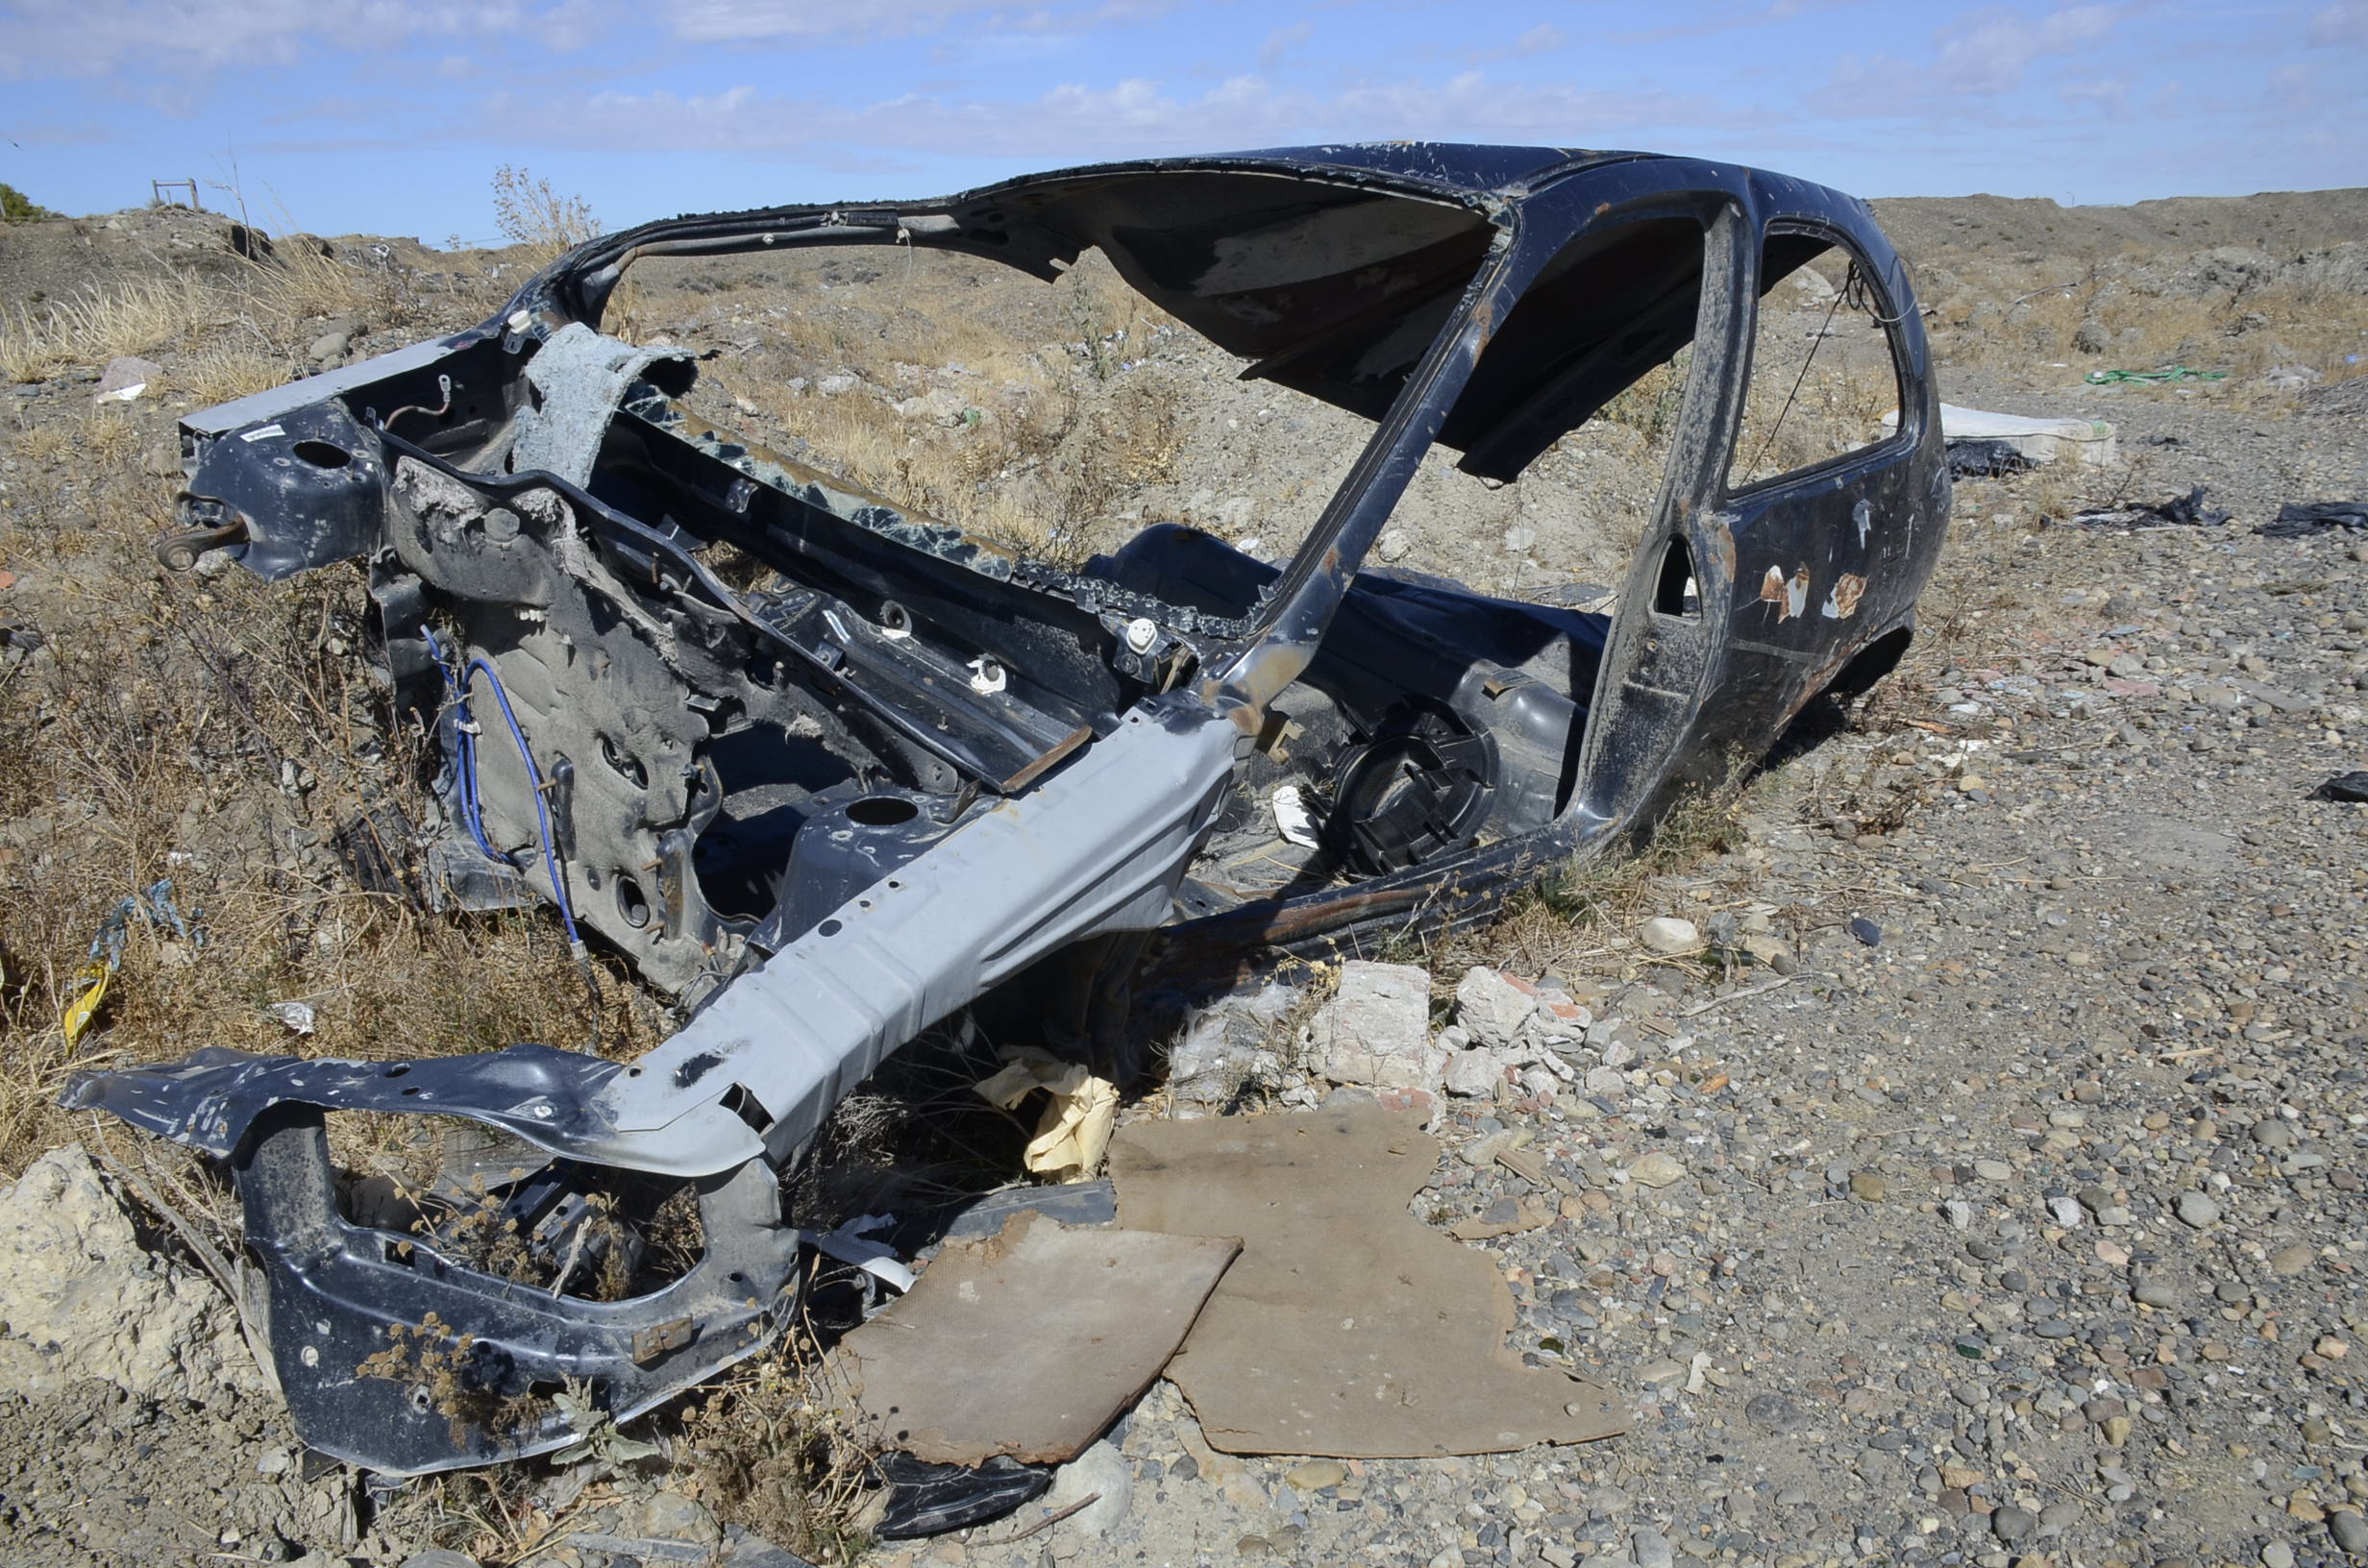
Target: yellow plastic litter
(91, 990)
(1074, 1130)
(155, 906)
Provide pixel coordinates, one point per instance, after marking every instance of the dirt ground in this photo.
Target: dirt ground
(2028, 1232)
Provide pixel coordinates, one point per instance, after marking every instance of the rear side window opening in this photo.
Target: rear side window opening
(1824, 379)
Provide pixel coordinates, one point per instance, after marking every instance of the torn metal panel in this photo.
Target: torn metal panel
(1347, 1327)
(1031, 1342)
(826, 769)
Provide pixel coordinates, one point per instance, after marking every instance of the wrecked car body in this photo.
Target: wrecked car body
(829, 770)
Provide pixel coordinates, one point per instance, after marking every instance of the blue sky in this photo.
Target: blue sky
(389, 117)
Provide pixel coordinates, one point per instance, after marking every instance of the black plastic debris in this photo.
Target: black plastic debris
(2351, 787)
(1867, 931)
(1973, 460)
(2302, 519)
(2187, 511)
(933, 1499)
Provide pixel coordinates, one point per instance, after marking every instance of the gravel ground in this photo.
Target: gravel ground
(2030, 1232)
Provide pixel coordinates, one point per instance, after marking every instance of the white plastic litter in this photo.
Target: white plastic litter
(2040, 439)
(850, 1244)
(297, 1015)
(1293, 819)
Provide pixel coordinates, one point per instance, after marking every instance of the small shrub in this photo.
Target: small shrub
(18, 207)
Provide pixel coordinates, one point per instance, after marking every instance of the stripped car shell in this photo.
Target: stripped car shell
(830, 770)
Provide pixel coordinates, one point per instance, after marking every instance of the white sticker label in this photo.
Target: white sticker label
(266, 431)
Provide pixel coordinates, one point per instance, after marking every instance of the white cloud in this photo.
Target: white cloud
(1986, 56)
(1992, 53)
(742, 21)
(751, 22)
(91, 37)
(1280, 43)
(1077, 122)
(2338, 25)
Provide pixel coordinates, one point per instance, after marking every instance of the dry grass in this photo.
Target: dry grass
(2086, 319)
(218, 734)
(1025, 446)
(770, 1446)
(225, 371)
(100, 323)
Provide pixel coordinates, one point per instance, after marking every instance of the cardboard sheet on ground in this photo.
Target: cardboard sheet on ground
(1347, 1327)
(1029, 1342)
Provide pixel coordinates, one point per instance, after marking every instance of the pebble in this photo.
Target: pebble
(2292, 1260)
(2011, 1524)
(1668, 934)
(1867, 1187)
(1315, 1475)
(2197, 1210)
(1651, 1549)
(2350, 1532)
(2276, 1555)
(1656, 1170)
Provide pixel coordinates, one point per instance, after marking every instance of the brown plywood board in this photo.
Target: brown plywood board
(1347, 1327)
(1029, 1342)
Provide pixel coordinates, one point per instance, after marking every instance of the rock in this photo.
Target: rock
(1376, 1029)
(1651, 1549)
(2011, 1524)
(668, 1517)
(2350, 1532)
(1492, 1006)
(1668, 934)
(1559, 1021)
(1656, 1170)
(2292, 1260)
(1315, 1475)
(329, 348)
(2272, 1134)
(832, 387)
(127, 371)
(1867, 1187)
(439, 1557)
(939, 406)
(1392, 545)
(1100, 1469)
(1475, 1074)
(1221, 1049)
(2196, 1209)
(2155, 1292)
(2276, 1555)
(1867, 931)
(81, 1298)
(1775, 1414)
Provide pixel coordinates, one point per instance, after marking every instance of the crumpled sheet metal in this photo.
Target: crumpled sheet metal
(1347, 1327)
(1029, 1342)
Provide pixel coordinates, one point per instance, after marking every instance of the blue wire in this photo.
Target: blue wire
(534, 782)
(464, 749)
(471, 811)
